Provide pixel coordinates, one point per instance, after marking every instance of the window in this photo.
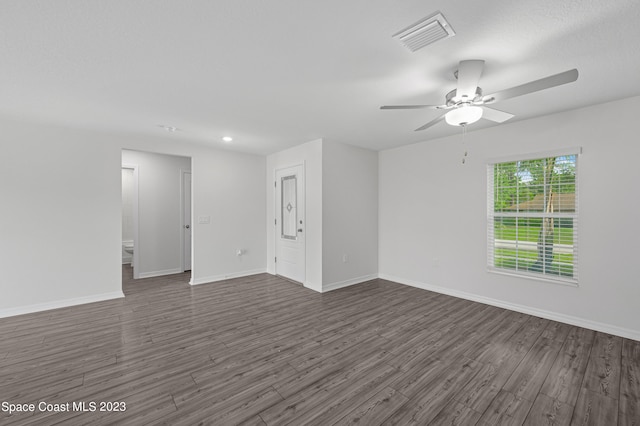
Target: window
(532, 216)
(289, 211)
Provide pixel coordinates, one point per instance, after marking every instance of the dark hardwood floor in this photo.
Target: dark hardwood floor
(262, 350)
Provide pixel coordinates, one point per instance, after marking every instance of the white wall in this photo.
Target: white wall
(349, 215)
(433, 216)
(309, 154)
(160, 236)
(60, 218)
(61, 237)
(228, 188)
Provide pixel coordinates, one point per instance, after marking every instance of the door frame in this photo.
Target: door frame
(136, 236)
(275, 216)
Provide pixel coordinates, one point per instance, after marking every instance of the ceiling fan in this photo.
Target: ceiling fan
(466, 104)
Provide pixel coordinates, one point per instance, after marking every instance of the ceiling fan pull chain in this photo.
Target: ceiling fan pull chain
(464, 133)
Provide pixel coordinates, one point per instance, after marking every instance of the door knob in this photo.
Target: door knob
(300, 230)
(187, 226)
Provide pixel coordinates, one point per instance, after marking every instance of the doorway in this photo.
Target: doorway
(290, 223)
(130, 215)
(162, 240)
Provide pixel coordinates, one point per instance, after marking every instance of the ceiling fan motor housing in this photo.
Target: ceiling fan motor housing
(453, 101)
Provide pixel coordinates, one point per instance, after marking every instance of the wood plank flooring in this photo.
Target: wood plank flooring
(264, 351)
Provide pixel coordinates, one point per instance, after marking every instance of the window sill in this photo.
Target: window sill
(535, 277)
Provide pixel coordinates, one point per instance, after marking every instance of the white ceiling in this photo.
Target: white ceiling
(274, 74)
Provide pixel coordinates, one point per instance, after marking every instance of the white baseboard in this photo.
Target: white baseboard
(160, 273)
(554, 316)
(222, 277)
(336, 285)
(347, 283)
(38, 307)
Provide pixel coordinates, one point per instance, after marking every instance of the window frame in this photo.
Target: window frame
(492, 215)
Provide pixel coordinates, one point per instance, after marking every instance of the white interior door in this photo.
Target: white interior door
(290, 223)
(186, 219)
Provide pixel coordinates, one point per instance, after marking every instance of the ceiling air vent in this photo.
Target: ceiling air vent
(425, 32)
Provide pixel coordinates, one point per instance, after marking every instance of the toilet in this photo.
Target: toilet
(128, 246)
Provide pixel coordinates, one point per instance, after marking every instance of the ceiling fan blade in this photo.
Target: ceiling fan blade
(534, 86)
(431, 123)
(495, 115)
(408, 106)
(469, 73)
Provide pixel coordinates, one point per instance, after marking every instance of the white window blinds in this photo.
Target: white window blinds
(532, 216)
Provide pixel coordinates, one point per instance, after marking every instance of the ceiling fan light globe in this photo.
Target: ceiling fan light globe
(463, 116)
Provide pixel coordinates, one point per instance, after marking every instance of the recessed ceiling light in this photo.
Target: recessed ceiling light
(170, 129)
(227, 139)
